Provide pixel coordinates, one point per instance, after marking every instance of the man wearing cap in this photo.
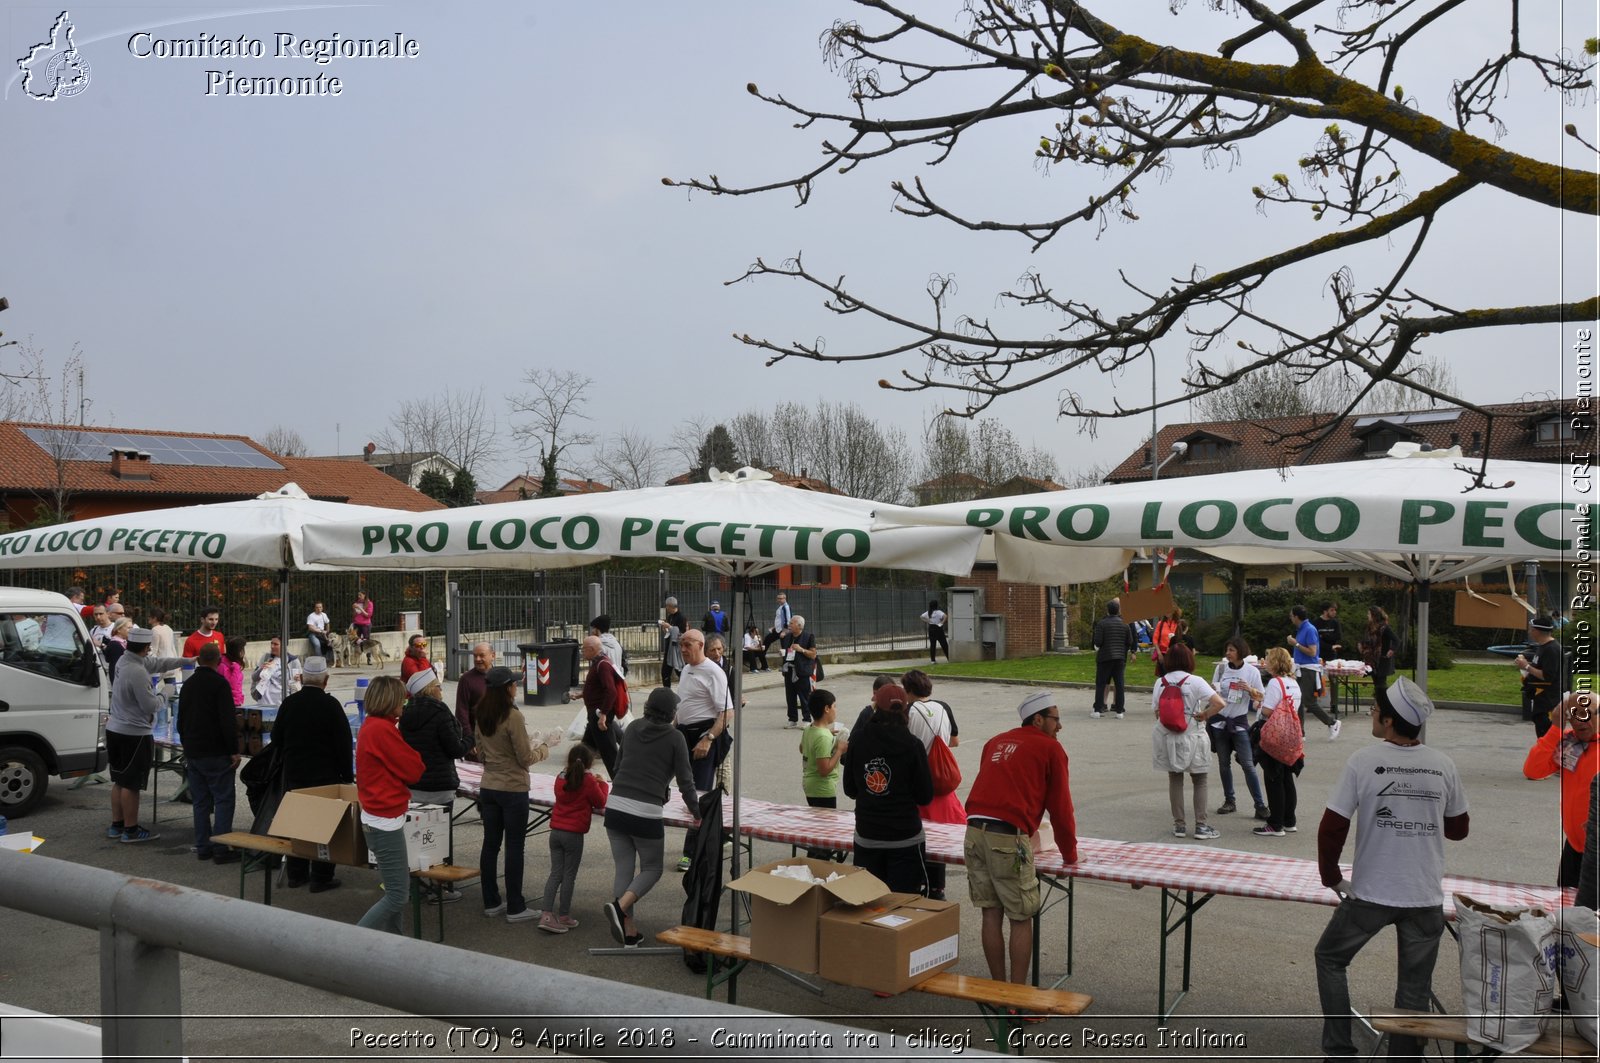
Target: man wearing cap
(130, 744)
(1542, 675)
(1021, 776)
(672, 626)
(1571, 752)
(312, 735)
(266, 680)
(209, 728)
(1405, 799)
(715, 622)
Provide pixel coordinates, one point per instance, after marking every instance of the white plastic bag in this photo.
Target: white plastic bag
(576, 728)
(1507, 972)
(1578, 965)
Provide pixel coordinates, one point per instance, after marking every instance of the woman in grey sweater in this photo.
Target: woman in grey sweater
(653, 755)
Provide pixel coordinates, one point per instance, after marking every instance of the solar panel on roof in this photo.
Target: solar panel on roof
(71, 444)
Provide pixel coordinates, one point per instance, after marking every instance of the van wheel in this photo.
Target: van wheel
(22, 780)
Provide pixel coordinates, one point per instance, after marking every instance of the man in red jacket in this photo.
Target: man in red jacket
(415, 658)
(1568, 747)
(1022, 776)
(600, 703)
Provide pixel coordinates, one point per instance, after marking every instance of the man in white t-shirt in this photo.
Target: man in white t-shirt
(1405, 800)
(705, 711)
(317, 628)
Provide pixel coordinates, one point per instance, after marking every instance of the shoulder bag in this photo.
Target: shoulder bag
(1280, 735)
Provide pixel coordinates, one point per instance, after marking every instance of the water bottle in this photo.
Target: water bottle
(2, 824)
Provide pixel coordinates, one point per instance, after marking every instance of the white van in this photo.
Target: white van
(54, 697)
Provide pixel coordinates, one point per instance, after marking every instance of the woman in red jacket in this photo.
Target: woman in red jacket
(386, 768)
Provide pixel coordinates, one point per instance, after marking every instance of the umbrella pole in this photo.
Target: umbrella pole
(741, 584)
(283, 625)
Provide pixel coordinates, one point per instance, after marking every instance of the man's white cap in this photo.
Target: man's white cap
(1409, 701)
(421, 681)
(140, 636)
(1038, 701)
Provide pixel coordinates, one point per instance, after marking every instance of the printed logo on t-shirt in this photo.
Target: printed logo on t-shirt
(1400, 788)
(877, 776)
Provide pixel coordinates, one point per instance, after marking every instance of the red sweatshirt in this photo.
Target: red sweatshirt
(1023, 774)
(575, 809)
(386, 766)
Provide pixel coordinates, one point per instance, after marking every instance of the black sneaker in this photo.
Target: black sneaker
(613, 912)
(227, 856)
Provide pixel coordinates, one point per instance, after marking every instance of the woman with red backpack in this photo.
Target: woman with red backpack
(1283, 751)
(1181, 703)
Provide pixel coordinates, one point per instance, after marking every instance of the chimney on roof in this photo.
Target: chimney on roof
(130, 464)
(369, 450)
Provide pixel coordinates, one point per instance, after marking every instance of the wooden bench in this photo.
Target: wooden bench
(1554, 1044)
(1005, 1005)
(265, 845)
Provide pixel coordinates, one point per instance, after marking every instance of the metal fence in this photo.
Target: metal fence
(145, 926)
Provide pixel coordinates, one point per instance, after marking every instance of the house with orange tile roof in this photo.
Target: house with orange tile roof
(97, 471)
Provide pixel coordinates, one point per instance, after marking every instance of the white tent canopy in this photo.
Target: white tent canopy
(262, 532)
(738, 524)
(1420, 516)
(1413, 515)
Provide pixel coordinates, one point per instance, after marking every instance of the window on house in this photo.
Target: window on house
(1379, 443)
(1205, 450)
(1255, 581)
(804, 575)
(1553, 430)
(1336, 583)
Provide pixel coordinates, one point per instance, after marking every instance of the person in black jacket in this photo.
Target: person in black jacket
(1112, 639)
(313, 739)
(886, 772)
(209, 729)
(429, 727)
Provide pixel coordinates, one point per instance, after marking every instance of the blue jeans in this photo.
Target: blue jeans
(1234, 744)
(1354, 923)
(388, 848)
(505, 819)
(211, 788)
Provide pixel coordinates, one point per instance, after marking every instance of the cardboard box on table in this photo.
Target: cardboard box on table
(890, 944)
(427, 836)
(784, 912)
(323, 823)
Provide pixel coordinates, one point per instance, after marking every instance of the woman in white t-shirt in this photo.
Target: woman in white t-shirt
(925, 719)
(1186, 752)
(1279, 694)
(935, 618)
(1230, 728)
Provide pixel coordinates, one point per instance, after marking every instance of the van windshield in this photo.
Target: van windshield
(49, 644)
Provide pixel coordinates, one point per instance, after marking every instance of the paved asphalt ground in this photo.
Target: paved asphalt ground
(1253, 970)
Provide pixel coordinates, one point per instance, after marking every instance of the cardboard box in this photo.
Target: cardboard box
(784, 912)
(1043, 840)
(427, 836)
(324, 823)
(892, 944)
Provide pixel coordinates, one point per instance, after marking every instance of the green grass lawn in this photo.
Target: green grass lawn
(1496, 684)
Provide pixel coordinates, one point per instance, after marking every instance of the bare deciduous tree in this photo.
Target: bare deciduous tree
(58, 399)
(458, 425)
(553, 408)
(285, 441)
(1114, 114)
(630, 460)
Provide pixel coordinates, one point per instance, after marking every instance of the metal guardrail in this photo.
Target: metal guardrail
(487, 1002)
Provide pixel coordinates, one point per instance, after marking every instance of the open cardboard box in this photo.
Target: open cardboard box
(890, 944)
(20, 843)
(784, 912)
(323, 823)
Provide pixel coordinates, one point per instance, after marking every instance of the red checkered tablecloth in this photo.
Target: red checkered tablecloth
(1200, 868)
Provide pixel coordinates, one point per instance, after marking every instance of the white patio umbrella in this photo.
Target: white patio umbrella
(739, 524)
(261, 532)
(1415, 515)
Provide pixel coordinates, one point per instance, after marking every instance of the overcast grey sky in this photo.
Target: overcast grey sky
(495, 204)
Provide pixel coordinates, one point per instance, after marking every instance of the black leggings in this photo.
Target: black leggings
(936, 642)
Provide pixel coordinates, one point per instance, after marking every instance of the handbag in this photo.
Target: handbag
(943, 767)
(1281, 738)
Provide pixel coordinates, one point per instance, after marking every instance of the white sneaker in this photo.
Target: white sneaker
(1097, 715)
(499, 909)
(1333, 731)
